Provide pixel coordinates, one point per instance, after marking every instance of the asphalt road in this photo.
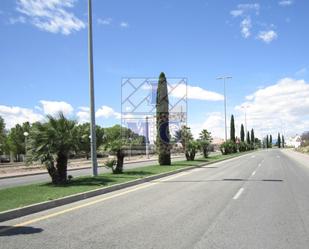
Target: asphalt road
(257, 201)
(24, 180)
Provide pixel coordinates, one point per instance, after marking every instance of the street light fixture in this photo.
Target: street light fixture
(224, 78)
(91, 87)
(26, 134)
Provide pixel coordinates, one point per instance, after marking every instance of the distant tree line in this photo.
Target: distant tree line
(268, 141)
(246, 142)
(55, 141)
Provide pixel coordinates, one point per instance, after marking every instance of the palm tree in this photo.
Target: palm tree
(116, 141)
(205, 139)
(51, 143)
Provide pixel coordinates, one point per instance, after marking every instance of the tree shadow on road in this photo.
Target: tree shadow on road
(12, 231)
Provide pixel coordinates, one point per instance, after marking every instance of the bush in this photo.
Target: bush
(242, 146)
(228, 147)
(111, 164)
(191, 149)
(205, 147)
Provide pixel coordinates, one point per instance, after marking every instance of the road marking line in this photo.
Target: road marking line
(259, 165)
(253, 173)
(252, 156)
(148, 184)
(238, 194)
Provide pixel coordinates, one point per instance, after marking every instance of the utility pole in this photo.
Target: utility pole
(224, 78)
(147, 137)
(245, 107)
(91, 86)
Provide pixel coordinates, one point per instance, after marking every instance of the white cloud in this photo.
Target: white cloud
(249, 6)
(236, 13)
(107, 112)
(282, 107)
(214, 123)
(83, 115)
(124, 24)
(51, 15)
(301, 72)
(195, 92)
(285, 3)
(17, 115)
(267, 36)
(105, 21)
(245, 9)
(13, 115)
(19, 19)
(246, 27)
(54, 107)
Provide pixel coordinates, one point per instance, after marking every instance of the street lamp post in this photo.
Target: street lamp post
(91, 87)
(245, 107)
(224, 78)
(26, 134)
(147, 138)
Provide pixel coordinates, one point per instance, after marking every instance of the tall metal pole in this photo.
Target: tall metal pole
(224, 78)
(246, 119)
(91, 86)
(225, 110)
(147, 137)
(245, 107)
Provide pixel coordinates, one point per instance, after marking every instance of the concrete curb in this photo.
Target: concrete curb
(74, 169)
(19, 212)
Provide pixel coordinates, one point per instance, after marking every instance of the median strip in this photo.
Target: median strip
(20, 201)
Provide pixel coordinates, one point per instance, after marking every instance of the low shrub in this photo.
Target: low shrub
(228, 147)
(111, 164)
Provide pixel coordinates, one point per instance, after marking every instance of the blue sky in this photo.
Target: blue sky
(262, 44)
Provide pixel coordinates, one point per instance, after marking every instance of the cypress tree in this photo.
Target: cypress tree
(282, 141)
(232, 129)
(248, 138)
(279, 141)
(252, 137)
(163, 133)
(242, 133)
(267, 142)
(270, 141)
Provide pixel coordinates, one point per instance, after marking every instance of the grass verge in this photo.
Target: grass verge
(21, 196)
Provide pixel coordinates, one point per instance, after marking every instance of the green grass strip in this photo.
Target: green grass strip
(21, 196)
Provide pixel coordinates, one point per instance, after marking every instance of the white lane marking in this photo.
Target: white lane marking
(252, 156)
(238, 194)
(90, 203)
(259, 165)
(253, 173)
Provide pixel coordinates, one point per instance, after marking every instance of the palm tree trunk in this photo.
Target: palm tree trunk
(52, 171)
(62, 163)
(119, 166)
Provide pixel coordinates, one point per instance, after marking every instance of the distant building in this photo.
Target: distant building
(293, 141)
(216, 142)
